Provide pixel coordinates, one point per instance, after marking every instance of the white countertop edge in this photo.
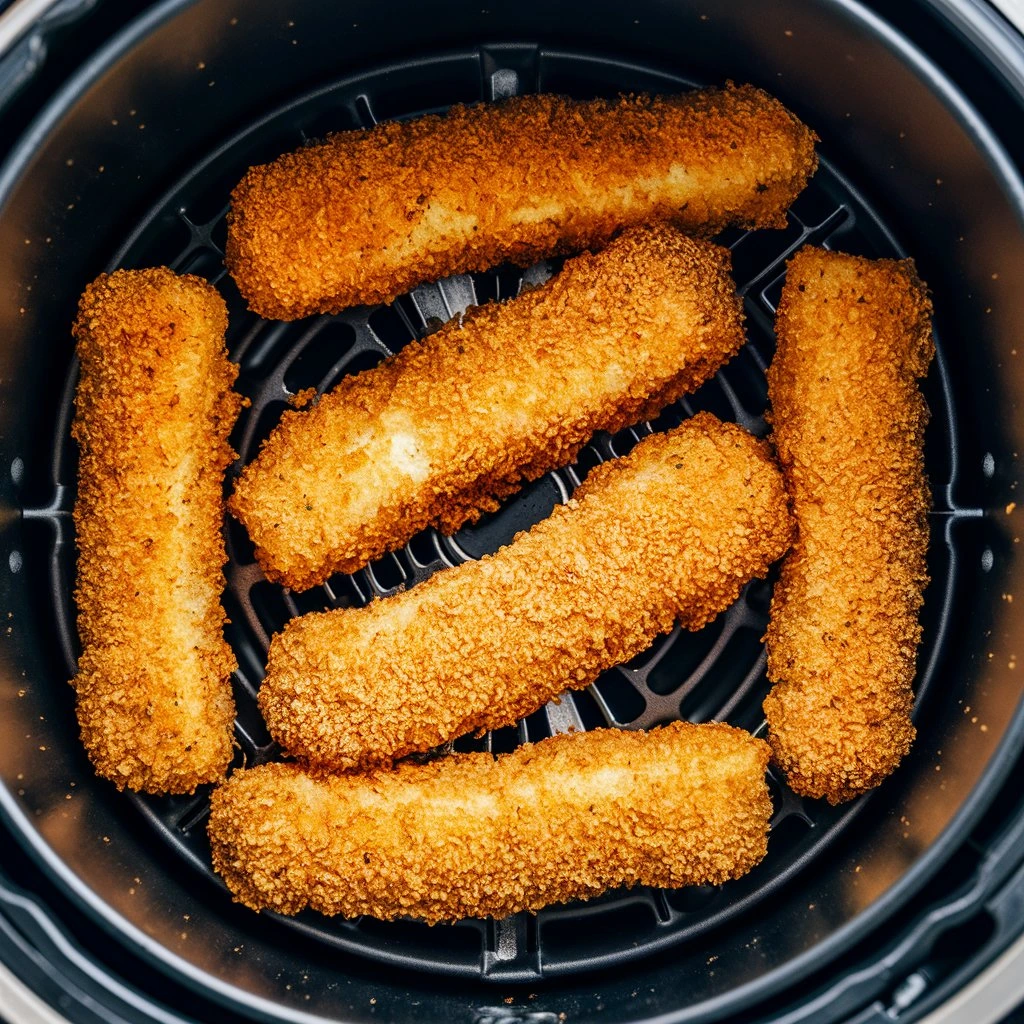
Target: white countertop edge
(19, 1005)
(1013, 10)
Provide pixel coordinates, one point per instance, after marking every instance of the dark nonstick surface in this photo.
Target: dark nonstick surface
(714, 675)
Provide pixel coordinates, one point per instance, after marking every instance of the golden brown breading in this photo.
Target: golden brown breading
(472, 836)
(153, 412)
(853, 338)
(669, 533)
(454, 422)
(368, 215)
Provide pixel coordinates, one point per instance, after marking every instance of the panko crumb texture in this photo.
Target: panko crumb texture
(440, 432)
(470, 835)
(669, 533)
(153, 411)
(854, 338)
(369, 214)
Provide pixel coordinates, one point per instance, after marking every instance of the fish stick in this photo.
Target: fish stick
(153, 411)
(470, 835)
(367, 215)
(854, 337)
(456, 421)
(669, 533)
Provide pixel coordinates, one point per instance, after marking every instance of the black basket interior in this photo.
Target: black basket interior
(715, 674)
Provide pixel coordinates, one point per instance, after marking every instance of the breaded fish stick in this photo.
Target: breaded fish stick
(368, 215)
(669, 533)
(473, 836)
(153, 412)
(455, 421)
(853, 339)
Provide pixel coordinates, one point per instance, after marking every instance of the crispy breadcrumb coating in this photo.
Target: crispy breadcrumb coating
(853, 338)
(367, 215)
(462, 418)
(669, 533)
(471, 835)
(153, 412)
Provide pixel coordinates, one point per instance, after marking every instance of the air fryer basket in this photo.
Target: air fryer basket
(133, 168)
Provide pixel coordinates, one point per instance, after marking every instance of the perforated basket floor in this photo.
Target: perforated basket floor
(715, 674)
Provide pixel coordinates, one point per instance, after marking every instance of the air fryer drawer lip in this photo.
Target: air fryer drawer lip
(995, 772)
(989, 29)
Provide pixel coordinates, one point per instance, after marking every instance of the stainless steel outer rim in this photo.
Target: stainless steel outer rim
(16, 21)
(986, 1000)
